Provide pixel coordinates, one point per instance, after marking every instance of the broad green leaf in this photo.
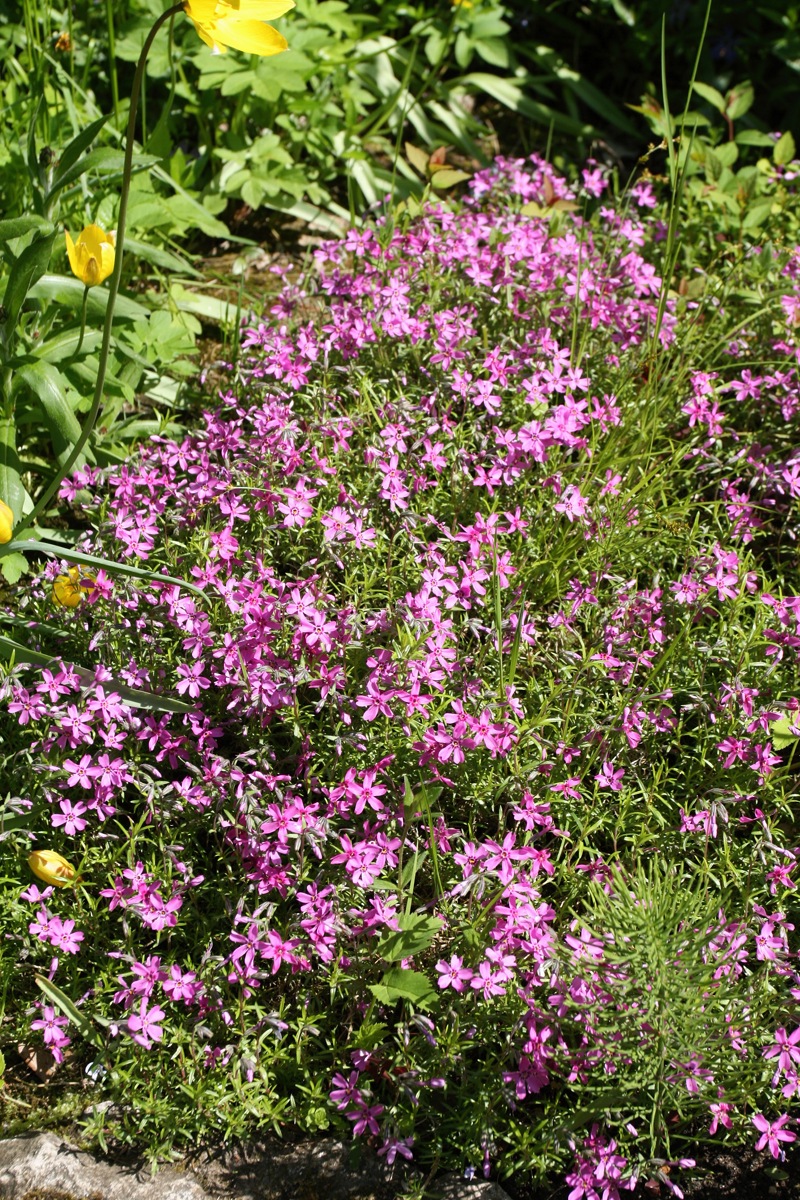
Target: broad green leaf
(753, 137)
(757, 214)
(784, 150)
(62, 1001)
(415, 934)
(739, 100)
(781, 732)
(15, 227)
(29, 267)
(49, 386)
(403, 984)
(418, 158)
(74, 149)
(12, 491)
(448, 177)
(13, 567)
(69, 291)
(709, 93)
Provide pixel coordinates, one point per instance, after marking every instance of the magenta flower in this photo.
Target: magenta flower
(773, 1133)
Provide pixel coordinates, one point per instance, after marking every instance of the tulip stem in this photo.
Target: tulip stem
(83, 321)
(113, 287)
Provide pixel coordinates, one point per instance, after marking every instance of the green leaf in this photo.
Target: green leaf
(29, 267)
(739, 100)
(74, 149)
(757, 214)
(714, 98)
(62, 1001)
(753, 137)
(13, 567)
(91, 560)
(448, 177)
(69, 291)
(415, 934)
(48, 385)
(134, 696)
(403, 984)
(511, 95)
(17, 226)
(12, 490)
(104, 161)
(781, 732)
(784, 150)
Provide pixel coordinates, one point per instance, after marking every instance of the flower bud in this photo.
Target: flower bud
(50, 867)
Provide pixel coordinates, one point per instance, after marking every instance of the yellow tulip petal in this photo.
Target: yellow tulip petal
(261, 10)
(72, 255)
(6, 523)
(250, 36)
(202, 12)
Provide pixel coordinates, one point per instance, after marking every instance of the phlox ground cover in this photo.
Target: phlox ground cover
(454, 810)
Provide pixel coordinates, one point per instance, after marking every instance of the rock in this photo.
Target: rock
(44, 1167)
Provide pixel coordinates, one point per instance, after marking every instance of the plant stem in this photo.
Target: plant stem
(112, 59)
(83, 322)
(113, 288)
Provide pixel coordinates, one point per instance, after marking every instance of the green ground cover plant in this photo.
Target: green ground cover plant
(457, 811)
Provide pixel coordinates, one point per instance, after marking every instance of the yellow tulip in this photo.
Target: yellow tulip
(69, 589)
(239, 24)
(92, 256)
(51, 867)
(6, 523)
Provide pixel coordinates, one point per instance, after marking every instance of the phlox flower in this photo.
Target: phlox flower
(773, 1133)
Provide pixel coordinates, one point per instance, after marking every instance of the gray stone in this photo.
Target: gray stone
(44, 1167)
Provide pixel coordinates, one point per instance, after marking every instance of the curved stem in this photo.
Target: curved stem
(113, 288)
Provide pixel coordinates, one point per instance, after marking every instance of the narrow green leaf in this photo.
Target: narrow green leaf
(103, 161)
(74, 149)
(91, 560)
(62, 1001)
(29, 267)
(134, 696)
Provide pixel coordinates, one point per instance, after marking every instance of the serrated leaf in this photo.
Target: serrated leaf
(62, 1001)
(781, 733)
(404, 984)
(13, 567)
(415, 934)
(784, 151)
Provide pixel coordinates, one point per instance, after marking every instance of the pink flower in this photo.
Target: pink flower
(773, 1133)
(144, 1026)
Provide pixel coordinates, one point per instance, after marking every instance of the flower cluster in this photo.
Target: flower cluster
(418, 809)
